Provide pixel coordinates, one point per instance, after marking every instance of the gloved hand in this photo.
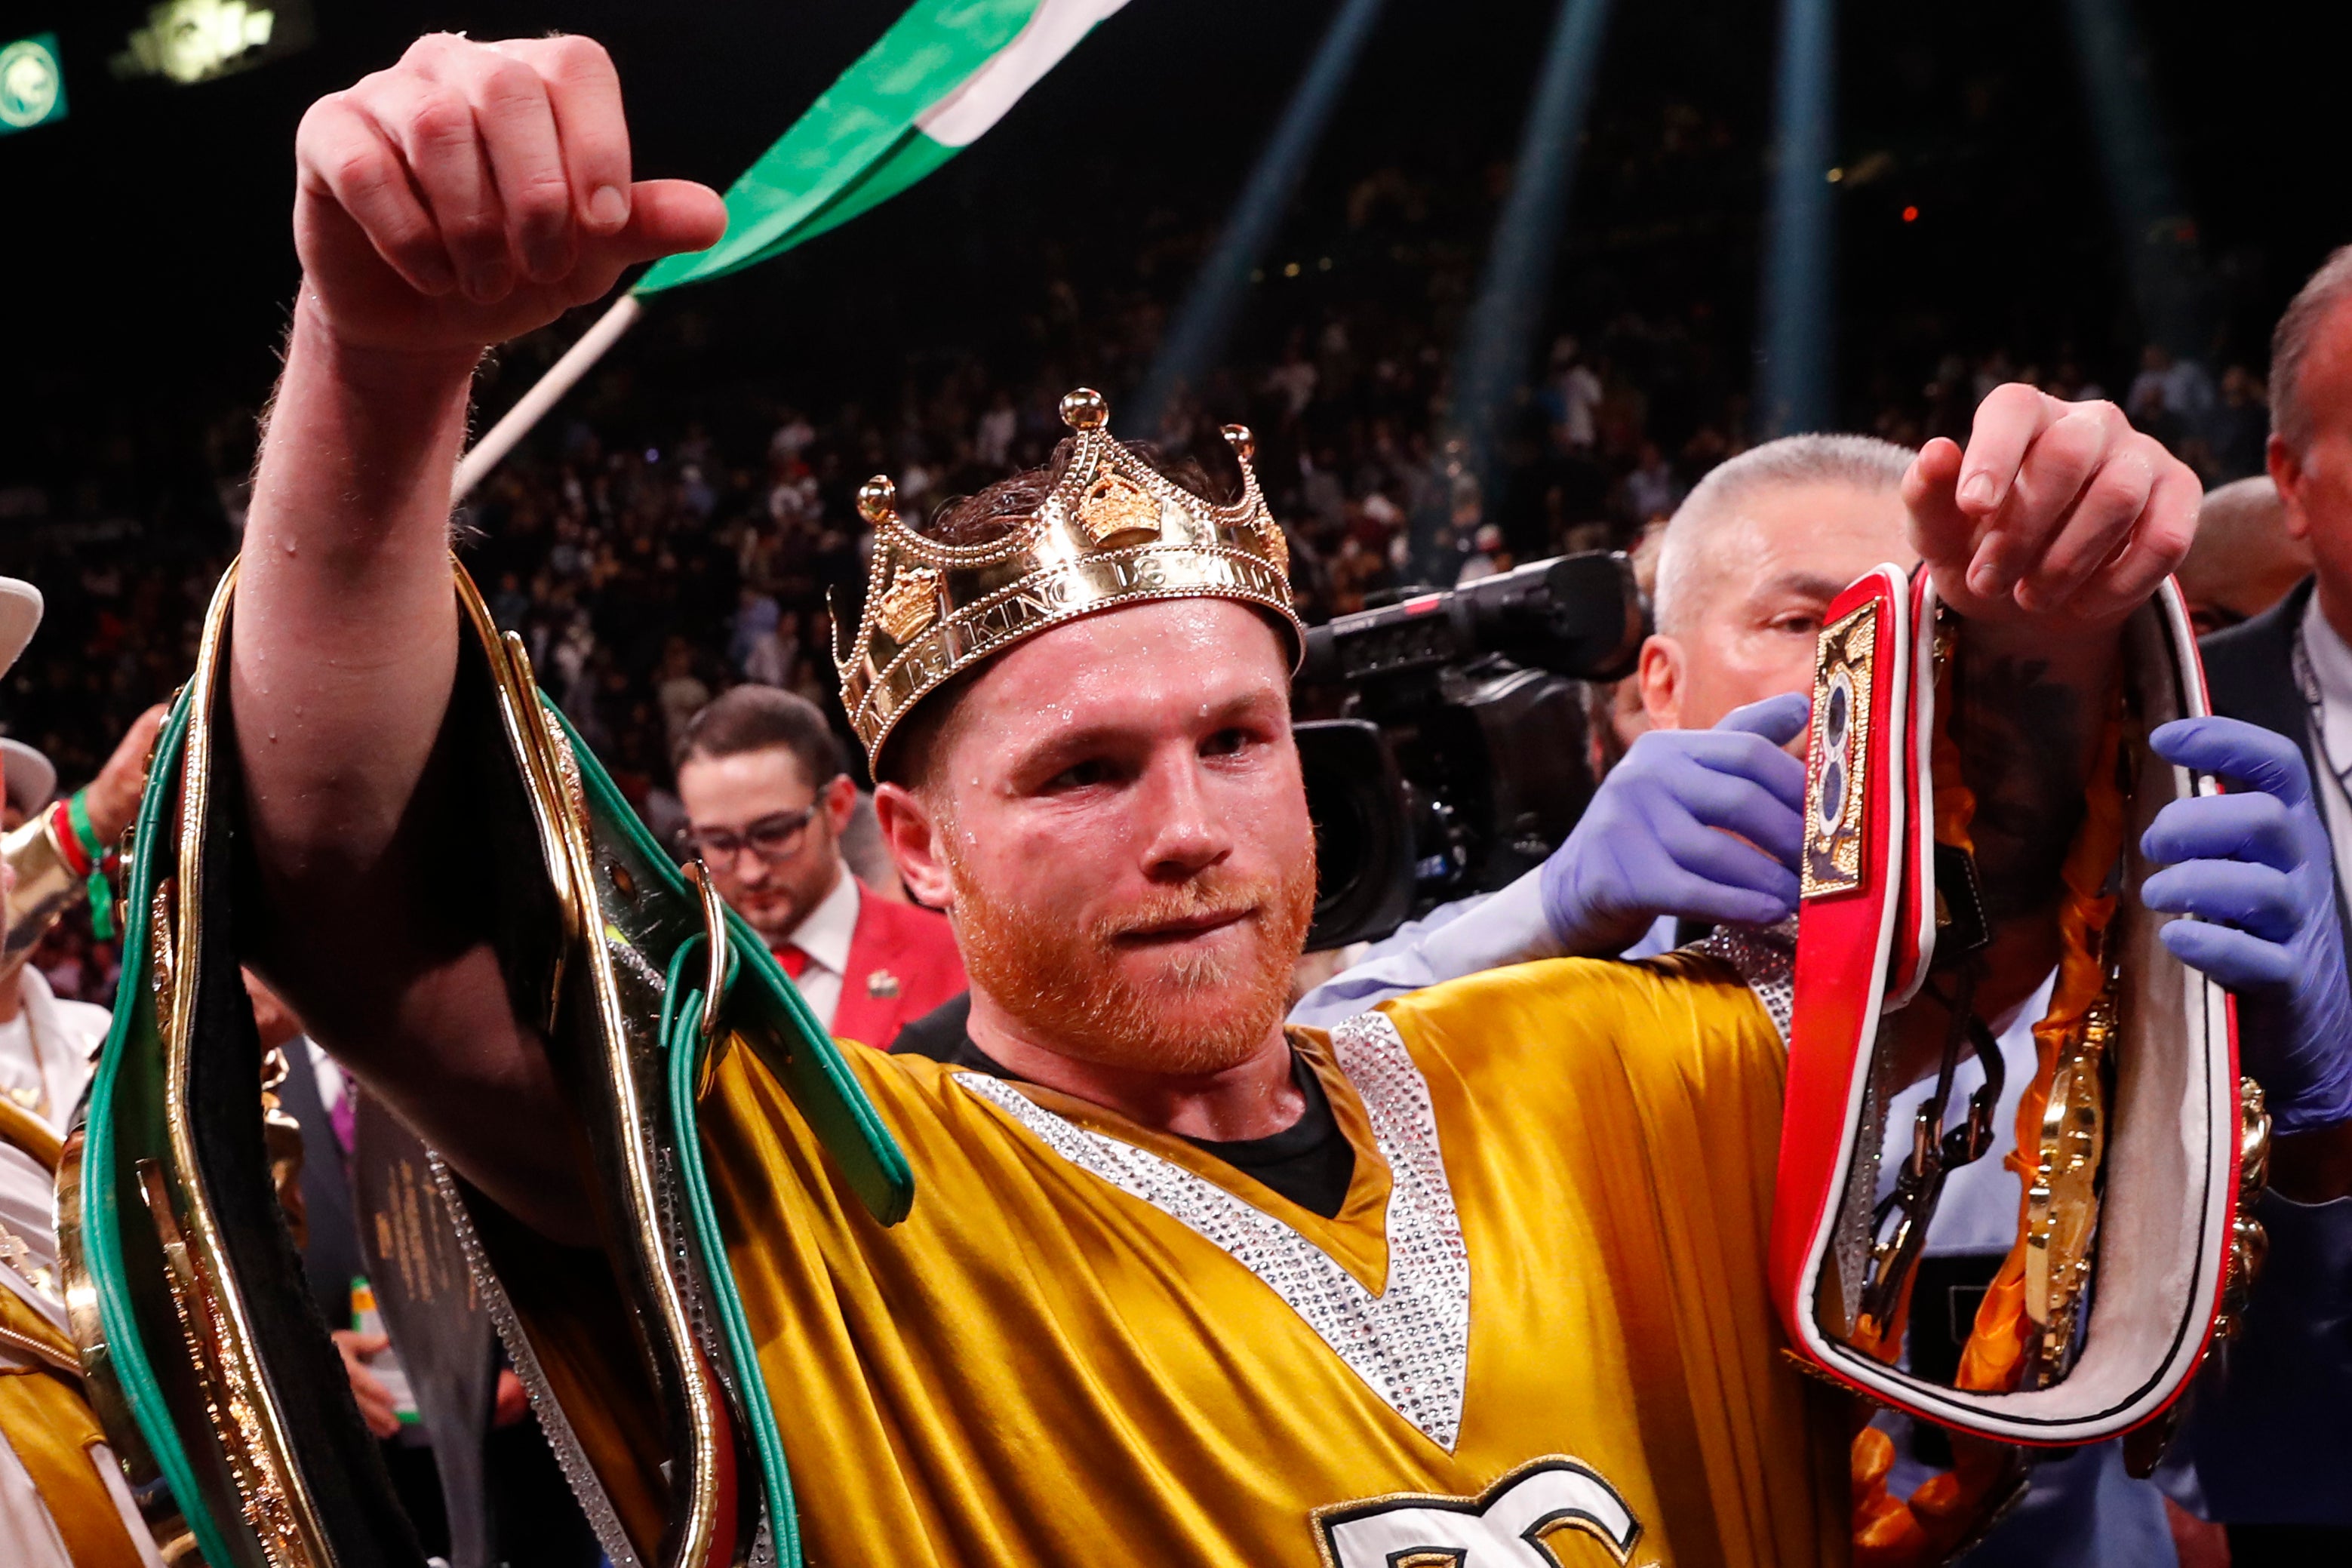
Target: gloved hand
(2258, 871)
(1648, 845)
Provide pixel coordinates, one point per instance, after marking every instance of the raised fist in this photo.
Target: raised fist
(2058, 513)
(475, 191)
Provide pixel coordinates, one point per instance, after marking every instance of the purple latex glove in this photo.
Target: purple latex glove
(1649, 846)
(2258, 872)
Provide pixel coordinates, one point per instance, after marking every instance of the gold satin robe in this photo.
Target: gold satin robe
(1536, 1333)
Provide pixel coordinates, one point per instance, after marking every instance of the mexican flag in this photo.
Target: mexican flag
(944, 73)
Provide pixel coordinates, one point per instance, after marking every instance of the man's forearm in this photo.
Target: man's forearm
(346, 631)
(424, 236)
(343, 659)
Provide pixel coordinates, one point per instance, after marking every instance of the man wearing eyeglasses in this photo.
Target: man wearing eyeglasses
(767, 798)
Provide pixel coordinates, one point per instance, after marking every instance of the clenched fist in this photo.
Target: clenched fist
(2058, 513)
(475, 191)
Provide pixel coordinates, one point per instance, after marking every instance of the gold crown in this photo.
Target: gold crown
(1113, 531)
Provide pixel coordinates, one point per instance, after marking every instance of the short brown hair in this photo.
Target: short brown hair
(989, 515)
(758, 719)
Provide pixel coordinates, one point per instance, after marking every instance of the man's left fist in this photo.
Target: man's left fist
(2058, 512)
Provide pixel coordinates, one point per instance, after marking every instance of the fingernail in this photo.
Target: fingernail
(609, 207)
(1985, 579)
(1977, 490)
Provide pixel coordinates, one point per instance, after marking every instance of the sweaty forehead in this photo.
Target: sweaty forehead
(1137, 666)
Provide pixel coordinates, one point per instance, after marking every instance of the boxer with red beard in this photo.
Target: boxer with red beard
(1471, 1279)
(1105, 948)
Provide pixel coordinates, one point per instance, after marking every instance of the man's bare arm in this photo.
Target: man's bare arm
(470, 193)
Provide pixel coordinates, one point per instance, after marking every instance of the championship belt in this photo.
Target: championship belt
(2134, 1244)
(208, 1359)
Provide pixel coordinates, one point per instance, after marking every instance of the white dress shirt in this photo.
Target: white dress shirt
(824, 935)
(328, 1075)
(2330, 665)
(46, 1049)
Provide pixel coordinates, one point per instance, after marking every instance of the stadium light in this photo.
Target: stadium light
(1496, 346)
(32, 84)
(2158, 237)
(1796, 341)
(188, 41)
(1197, 336)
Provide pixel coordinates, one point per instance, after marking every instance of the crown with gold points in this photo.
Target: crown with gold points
(1112, 531)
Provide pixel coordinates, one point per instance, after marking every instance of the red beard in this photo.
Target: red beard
(1087, 992)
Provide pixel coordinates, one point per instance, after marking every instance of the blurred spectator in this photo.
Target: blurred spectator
(1488, 556)
(2171, 398)
(769, 810)
(1293, 379)
(2242, 425)
(706, 500)
(52, 1018)
(1651, 491)
(1353, 571)
(991, 443)
(682, 693)
(793, 434)
(2244, 560)
(774, 657)
(756, 617)
(1570, 397)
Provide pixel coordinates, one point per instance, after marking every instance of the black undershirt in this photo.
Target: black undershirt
(1310, 1161)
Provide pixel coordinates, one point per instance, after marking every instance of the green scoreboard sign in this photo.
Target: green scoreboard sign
(32, 84)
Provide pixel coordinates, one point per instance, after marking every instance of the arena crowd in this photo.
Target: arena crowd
(675, 549)
(663, 541)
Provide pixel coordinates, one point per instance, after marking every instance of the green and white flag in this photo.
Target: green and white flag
(944, 73)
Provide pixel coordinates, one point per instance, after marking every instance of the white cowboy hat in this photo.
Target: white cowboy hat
(20, 612)
(32, 777)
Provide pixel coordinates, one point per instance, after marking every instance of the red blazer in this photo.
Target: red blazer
(902, 963)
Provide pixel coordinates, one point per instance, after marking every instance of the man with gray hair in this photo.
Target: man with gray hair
(1747, 569)
(1752, 558)
(2278, 1475)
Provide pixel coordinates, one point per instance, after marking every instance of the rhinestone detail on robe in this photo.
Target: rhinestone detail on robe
(1410, 1343)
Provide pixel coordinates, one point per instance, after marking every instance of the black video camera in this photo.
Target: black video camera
(1465, 755)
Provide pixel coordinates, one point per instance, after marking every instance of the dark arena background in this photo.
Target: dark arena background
(2086, 194)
